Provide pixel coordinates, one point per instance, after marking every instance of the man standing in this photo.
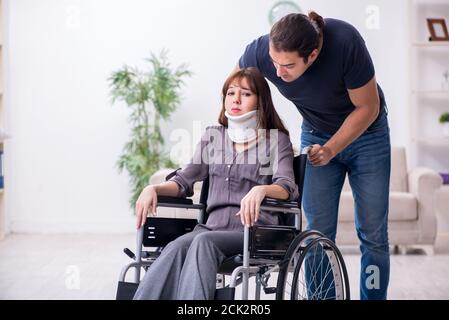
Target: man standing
(325, 69)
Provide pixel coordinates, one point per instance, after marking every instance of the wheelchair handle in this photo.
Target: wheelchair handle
(129, 253)
(306, 150)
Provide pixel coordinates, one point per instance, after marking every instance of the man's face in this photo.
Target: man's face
(289, 65)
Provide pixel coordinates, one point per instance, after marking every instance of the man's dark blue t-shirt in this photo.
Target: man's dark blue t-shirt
(320, 94)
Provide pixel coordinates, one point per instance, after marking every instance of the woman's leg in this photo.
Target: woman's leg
(162, 277)
(207, 251)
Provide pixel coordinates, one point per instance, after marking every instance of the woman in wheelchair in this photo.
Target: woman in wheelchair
(247, 158)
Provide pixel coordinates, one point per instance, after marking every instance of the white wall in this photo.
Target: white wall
(66, 136)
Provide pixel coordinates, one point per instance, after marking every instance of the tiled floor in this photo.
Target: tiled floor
(87, 267)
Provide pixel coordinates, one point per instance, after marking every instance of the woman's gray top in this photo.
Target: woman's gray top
(232, 174)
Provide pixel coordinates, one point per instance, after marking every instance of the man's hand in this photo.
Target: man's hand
(320, 155)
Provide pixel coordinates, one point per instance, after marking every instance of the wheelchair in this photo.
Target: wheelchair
(309, 265)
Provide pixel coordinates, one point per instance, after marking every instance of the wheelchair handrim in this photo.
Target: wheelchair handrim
(298, 251)
(335, 267)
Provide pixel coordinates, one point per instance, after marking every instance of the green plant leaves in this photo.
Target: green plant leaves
(151, 95)
(444, 117)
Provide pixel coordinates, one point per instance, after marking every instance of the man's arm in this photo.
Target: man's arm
(367, 103)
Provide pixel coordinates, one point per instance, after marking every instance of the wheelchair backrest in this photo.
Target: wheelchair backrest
(299, 167)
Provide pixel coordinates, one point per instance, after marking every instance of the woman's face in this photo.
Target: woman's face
(239, 98)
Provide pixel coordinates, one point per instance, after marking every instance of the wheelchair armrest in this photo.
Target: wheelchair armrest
(270, 241)
(167, 199)
(175, 202)
(271, 204)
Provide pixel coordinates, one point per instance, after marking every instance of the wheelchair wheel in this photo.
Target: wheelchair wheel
(312, 269)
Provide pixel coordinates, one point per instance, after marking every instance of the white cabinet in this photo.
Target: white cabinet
(429, 90)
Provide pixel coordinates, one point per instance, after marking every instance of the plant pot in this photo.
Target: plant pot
(446, 129)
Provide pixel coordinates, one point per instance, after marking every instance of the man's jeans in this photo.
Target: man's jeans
(367, 163)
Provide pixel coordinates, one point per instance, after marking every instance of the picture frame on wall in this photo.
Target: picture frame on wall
(438, 29)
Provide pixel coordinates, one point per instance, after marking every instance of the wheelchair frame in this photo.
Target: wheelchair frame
(252, 264)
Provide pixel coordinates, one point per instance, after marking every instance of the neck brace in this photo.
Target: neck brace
(242, 128)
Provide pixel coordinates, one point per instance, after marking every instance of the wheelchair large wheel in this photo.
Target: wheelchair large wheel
(312, 269)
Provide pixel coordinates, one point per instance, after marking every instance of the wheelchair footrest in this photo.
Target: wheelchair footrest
(269, 290)
(225, 294)
(126, 290)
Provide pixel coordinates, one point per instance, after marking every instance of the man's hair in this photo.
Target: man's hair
(298, 32)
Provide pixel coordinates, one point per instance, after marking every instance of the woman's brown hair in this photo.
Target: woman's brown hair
(298, 32)
(268, 118)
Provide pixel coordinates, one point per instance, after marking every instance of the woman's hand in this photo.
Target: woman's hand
(320, 155)
(250, 205)
(147, 199)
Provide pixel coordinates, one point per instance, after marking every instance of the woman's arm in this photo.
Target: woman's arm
(180, 185)
(275, 191)
(282, 188)
(250, 204)
(167, 188)
(148, 199)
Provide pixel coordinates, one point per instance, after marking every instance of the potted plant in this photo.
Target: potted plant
(151, 95)
(444, 120)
